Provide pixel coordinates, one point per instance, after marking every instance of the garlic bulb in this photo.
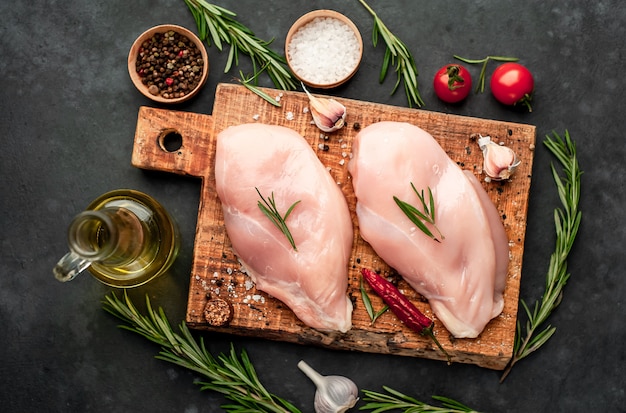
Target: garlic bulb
(499, 161)
(328, 114)
(335, 394)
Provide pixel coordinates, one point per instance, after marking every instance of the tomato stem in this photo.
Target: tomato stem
(454, 77)
(480, 87)
(526, 101)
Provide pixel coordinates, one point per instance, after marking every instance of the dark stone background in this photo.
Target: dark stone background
(68, 116)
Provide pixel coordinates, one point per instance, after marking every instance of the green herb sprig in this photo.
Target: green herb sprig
(418, 217)
(367, 302)
(268, 206)
(395, 400)
(567, 221)
(396, 54)
(480, 86)
(250, 84)
(229, 374)
(219, 25)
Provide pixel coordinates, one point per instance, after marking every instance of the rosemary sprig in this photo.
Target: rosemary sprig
(367, 302)
(218, 24)
(396, 54)
(480, 86)
(231, 375)
(395, 400)
(247, 82)
(268, 206)
(567, 221)
(418, 217)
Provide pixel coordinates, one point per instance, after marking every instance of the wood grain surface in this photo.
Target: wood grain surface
(216, 273)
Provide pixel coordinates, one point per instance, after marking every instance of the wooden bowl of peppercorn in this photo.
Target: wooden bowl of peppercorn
(168, 64)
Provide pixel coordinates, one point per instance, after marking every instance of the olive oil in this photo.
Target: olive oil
(125, 238)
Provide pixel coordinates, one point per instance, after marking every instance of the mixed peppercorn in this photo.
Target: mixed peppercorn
(170, 65)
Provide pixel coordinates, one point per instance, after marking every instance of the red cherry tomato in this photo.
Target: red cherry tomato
(452, 83)
(512, 83)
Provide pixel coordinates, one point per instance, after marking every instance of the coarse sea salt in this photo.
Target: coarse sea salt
(324, 51)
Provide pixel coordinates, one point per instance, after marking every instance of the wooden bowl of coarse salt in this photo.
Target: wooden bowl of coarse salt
(168, 64)
(323, 49)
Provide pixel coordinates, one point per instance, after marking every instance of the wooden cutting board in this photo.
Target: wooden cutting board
(216, 272)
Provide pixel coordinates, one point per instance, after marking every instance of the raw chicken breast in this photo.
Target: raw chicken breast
(463, 276)
(313, 280)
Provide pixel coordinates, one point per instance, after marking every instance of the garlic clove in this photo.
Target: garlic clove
(328, 114)
(334, 394)
(499, 161)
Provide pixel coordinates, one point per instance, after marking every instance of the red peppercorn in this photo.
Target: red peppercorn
(169, 81)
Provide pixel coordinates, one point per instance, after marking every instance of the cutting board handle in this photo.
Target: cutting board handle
(172, 141)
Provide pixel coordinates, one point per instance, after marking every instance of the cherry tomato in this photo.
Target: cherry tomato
(512, 83)
(452, 83)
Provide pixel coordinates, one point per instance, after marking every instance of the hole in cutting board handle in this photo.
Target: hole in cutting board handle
(170, 140)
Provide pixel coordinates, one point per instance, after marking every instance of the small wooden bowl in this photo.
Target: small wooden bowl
(308, 18)
(134, 52)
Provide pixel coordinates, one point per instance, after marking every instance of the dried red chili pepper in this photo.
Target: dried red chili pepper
(400, 305)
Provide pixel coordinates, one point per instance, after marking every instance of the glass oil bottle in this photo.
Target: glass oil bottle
(125, 238)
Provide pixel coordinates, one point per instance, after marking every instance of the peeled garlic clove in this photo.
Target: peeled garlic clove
(499, 161)
(328, 114)
(335, 394)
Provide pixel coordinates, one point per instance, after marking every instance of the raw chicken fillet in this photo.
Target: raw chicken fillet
(312, 280)
(463, 276)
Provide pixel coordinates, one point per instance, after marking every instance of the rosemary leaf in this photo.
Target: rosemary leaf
(230, 61)
(367, 302)
(375, 36)
(393, 400)
(268, 207)
(452, 404)
(215, 35)
(218, 25)
(387, 60)
(396, 54)
(255, 89)
(230, 374)
(415, 216)
(380, 312)
(431, 201)
(566, 221)
(418, 217)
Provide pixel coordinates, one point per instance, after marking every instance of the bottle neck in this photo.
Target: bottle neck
(92, 235)
(112, 236)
